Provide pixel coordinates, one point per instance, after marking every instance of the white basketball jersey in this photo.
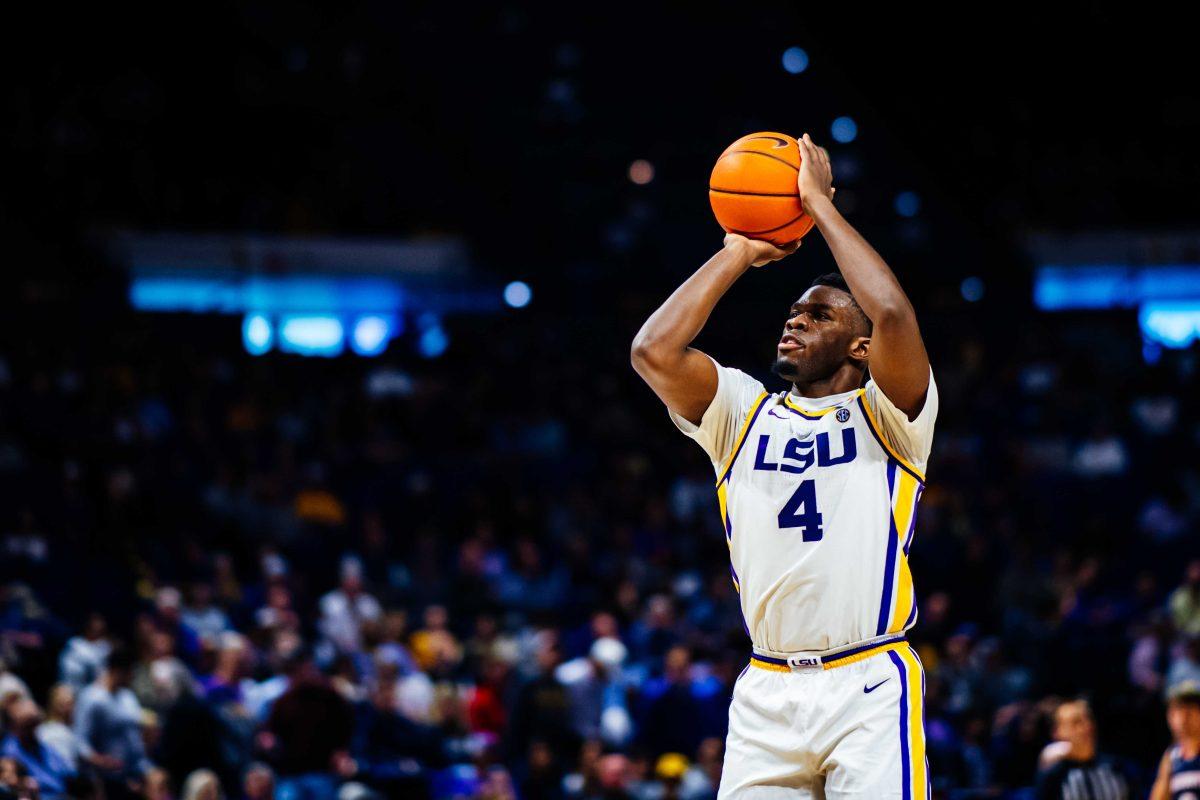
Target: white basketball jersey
(818, 497)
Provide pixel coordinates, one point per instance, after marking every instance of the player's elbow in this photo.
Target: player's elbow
(647, 355)
(641, 351)
(640, 357)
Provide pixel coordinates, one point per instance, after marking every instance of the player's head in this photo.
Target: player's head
(1073, 722)
(825, 330)
(1183, 711)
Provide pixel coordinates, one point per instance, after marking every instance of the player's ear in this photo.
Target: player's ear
(860, 349)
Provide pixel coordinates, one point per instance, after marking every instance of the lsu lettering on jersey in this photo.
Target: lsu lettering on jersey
(818, 497)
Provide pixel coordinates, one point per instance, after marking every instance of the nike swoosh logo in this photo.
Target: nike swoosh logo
(778, 142)
(869, 689)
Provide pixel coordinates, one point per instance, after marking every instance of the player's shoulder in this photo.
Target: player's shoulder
(738, 377)
(739, 389)
(874, 394)
(908, 440)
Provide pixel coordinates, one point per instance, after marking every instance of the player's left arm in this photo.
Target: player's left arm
(898, 361)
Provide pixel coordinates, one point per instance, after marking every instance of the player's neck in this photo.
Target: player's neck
(846, 379)
(1189, 748)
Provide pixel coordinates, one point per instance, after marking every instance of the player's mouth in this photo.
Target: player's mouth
(789, 343)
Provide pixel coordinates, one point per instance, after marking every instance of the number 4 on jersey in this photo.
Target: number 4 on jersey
(800, 511)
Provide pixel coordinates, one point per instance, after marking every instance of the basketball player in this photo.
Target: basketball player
(1179, 771)
(817, 488)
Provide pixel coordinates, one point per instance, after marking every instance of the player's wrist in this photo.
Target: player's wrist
(819, 207)
(740, 249)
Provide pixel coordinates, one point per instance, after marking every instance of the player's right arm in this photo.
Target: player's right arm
(683, 377)
(1162, 783)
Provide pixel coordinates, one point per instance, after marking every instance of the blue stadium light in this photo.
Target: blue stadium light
(257, 334)
(844, 130)
(907, 204)
(370, 335)
(1171, 323)
(312, 335)
(795, 60)
(286, 294)
(518, 294)
(972, 289)
(1060, 288)
(433, 340)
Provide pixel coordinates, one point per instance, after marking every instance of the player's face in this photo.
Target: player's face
(1184, 720)
(822, 330)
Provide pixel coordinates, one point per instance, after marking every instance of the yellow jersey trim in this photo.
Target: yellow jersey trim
(741, 437)
(891, 451)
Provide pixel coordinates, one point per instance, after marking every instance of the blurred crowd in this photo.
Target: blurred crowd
(502, 575)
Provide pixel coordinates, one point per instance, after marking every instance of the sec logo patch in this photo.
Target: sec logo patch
(843, 414)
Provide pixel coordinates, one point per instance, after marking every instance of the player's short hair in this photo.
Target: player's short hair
(835, 280)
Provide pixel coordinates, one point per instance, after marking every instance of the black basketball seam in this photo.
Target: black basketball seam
(760, 153)
(754, 194)
(770, 230)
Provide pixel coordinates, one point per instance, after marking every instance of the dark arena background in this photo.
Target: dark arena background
(318, 426)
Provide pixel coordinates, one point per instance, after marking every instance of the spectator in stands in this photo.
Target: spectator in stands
(390, 750)
(57, 732)
(82, 660)
(344, 609)
(160, 677)
(108, 720)
(597, 693)
(672, 717)
(11, 683)
(1185, 601)
(542, 707)
(201, 785)
(157, 785)
(43, 764)
(1186, 664)
(202, 615)
(258, 782)
(1081, 772)
(308, 734)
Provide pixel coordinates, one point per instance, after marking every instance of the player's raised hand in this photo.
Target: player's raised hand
(757, 251)
(815, 179)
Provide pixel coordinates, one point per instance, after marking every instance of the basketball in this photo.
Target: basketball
(753, 189)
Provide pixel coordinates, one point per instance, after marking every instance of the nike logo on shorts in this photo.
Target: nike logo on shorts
(869, 689)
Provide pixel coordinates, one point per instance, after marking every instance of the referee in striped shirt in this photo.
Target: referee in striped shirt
(1081, 773)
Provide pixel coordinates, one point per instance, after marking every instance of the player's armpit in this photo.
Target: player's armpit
(686, 380)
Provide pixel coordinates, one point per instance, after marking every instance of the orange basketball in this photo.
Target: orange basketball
(753, 189)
